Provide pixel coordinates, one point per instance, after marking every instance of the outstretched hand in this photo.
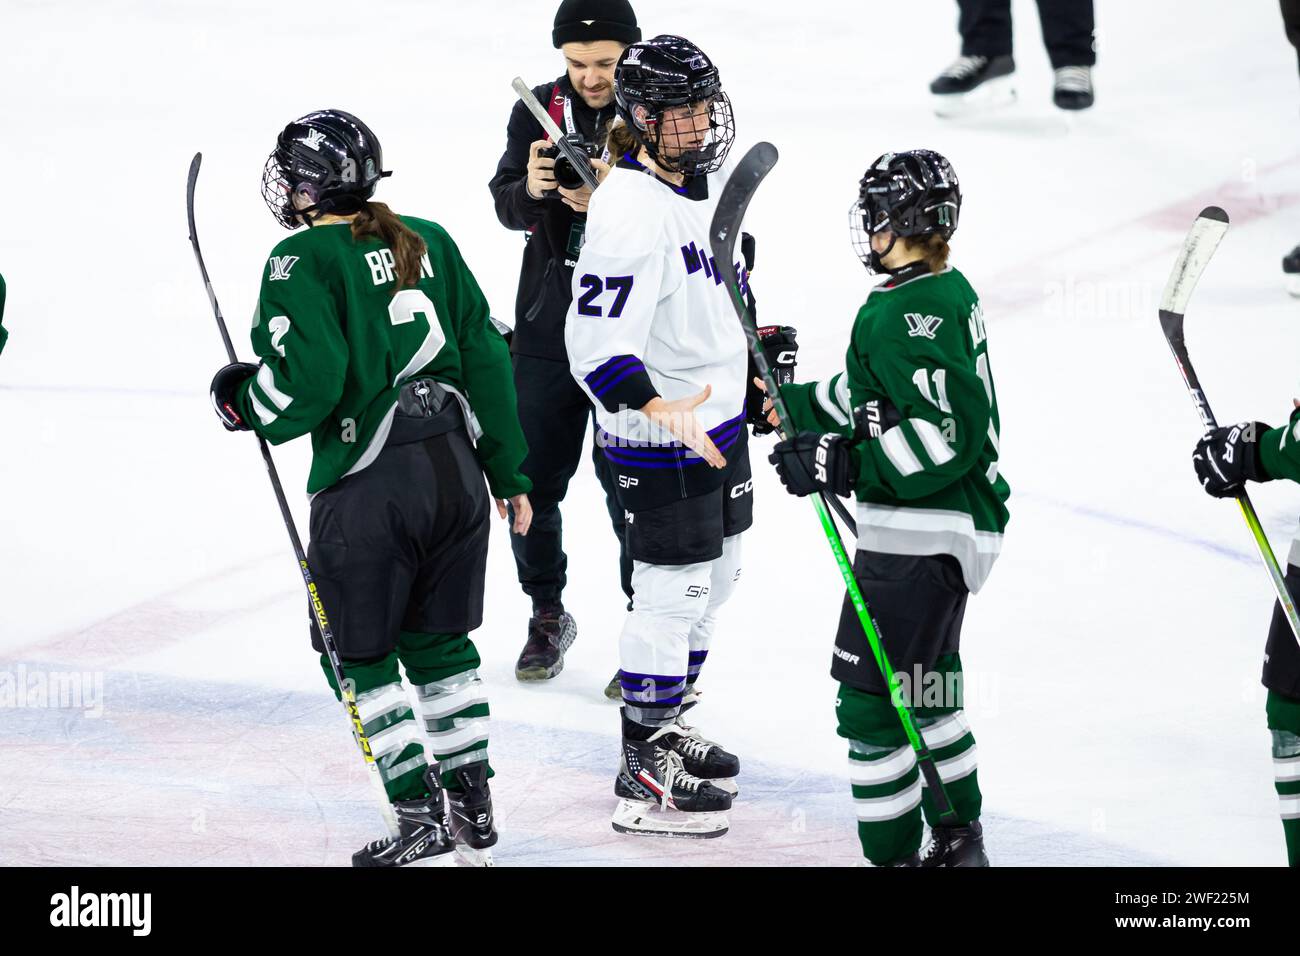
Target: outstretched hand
(678, 419)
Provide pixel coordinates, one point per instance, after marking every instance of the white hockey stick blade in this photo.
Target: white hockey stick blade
(1203, 238)
(644, 818)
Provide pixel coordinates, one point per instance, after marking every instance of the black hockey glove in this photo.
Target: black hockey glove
(224, 386)
(781, 351)
(810, 462)
(1228, 457)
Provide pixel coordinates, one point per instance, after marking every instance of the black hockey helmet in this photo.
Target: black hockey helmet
(909, 194)
(665, 72)
(328, 158)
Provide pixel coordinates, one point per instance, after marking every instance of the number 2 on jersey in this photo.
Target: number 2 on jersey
(405, 307)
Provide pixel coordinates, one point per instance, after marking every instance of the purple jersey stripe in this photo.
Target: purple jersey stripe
(600, 376)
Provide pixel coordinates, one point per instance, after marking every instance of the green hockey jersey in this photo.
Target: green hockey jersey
(336, 345)
(928, 483)
(1279, 453)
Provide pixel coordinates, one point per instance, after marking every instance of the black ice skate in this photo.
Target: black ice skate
(424, 839)
(973, 84)
(551, 631)
(1291, 266)
(659, 798)
(701, 757)
(956, 846)
(469, 815)
(1073, 88)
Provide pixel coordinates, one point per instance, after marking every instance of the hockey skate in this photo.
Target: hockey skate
(551, 631)
(974, 84)
(657, 797)
(701, 757)
(1072, 89)
(423, 840)
(469, 815)
(956, 846)
(1291, 266)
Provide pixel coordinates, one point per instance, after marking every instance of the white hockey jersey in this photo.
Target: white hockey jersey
(650, 314)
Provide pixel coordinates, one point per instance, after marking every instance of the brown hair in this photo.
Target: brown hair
(621, 141)
(377, 221)
(934, 250)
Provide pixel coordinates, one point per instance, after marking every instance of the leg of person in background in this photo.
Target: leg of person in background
(1069, 34)
(553, 412)
(918, 603)
(981, 77)
(1291, 20)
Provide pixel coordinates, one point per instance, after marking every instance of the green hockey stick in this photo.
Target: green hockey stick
(1202, 239)
(735, 198)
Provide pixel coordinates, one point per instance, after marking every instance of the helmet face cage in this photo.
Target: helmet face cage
(330, 159)
(908, 194)
(709, 156)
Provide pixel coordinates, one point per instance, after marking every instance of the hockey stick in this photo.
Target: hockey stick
(580, 162)
(740, 189)
(318, 611)
(1203, 238)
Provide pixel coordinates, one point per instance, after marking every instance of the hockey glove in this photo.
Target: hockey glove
(781, 351)
(1228, 457)
(810, 462)
(224, 386)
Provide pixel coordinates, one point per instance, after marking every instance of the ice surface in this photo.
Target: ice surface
(1113, 657)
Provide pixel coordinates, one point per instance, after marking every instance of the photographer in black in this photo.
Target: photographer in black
(534, 193)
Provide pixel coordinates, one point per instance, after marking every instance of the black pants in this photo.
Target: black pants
(1291, 19)
(402, 546)
(917, 604)
(1282, 653)
(985, 27)
(554, 413)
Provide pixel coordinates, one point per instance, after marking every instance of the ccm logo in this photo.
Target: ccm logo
(697, 590)
(744, 489)
(625, 481)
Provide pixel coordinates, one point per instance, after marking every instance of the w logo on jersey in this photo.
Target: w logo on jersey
(280, 266)
(923, 326)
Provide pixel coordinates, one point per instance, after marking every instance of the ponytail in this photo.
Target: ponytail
(377, 221)
(621, 141)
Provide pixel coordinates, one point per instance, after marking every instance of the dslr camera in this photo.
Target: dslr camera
(565, 173)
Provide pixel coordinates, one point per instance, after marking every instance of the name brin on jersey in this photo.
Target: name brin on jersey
(383, 267)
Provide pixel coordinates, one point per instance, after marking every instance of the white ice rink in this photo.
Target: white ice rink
(1113, 659)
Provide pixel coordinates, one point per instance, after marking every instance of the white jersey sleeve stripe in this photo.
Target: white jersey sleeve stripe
(933, 441)
(898, 452)
(266, 382)
(828, 404)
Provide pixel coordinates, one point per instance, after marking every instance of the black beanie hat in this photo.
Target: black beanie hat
(587, 21)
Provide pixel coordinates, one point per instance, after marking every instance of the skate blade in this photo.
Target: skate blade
(468, 856)
(643, 818)
(988, 96)
(1293, 285)
(441, 860)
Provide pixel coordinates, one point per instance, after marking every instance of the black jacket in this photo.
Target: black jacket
(555, 230)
